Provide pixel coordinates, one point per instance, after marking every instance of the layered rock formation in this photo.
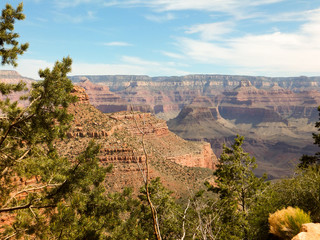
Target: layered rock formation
(166, 96)
(276, 115)
(14, 77)
(106, 101)
(277, 123)
(178, 162)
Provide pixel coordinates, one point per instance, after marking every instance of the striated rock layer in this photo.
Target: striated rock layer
(181, 164)
(277, 124)
(276, 115)
(166, 96)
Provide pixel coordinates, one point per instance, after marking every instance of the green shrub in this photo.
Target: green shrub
(286, 223)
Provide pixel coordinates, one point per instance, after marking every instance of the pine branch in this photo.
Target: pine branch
(29, 205)
(18, 120)
(29, 190)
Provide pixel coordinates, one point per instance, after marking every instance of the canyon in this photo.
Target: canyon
(276, 115)
(129, 139)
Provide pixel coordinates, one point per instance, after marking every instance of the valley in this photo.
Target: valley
(276, 115)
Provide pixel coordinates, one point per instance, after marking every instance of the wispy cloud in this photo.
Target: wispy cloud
(79, 18)
(271, 54)
(139, 61)
(160, 18)
(173, 55)
(73, 3)
(117, 44)
(226, 6)
(110, 3)
(124, 69)
(211, 31)
(152, 64)
(154, 68)
(30, 67)
(299, 16)
(129, 65)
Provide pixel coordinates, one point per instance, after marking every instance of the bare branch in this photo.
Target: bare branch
(8, 237)
(30, 189)
(184, 219)
(25, 207)
(153, 209)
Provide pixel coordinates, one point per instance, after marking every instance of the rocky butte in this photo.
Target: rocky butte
(276, 115)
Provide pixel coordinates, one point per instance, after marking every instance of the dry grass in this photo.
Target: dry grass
(286, 223)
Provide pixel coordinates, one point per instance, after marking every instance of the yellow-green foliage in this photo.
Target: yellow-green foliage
(286, 223)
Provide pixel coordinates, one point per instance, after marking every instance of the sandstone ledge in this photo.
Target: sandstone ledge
(309, 231)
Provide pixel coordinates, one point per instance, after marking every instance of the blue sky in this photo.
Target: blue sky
(172, 37)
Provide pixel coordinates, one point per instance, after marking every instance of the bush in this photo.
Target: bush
(286, 223)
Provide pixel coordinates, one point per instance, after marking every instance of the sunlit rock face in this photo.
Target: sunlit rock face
(276, 115)
(166, 96)
(309, 231)
(181, 164)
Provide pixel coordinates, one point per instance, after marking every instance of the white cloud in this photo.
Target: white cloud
(299, 16)
(139, 61)
(129, 66)
(62, 17)
(160, 18)
(226, 6)
(30, 67)
(73, 3)
(117, 44)
(105, 69)
(110, 3)
(173, 55)
(271, 54)
(211, 31)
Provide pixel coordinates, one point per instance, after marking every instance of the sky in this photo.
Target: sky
(276, 38)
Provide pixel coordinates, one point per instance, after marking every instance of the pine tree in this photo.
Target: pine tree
(313, 160)
(139, 223)
(9, 46)
(238, 189)
(61, 199)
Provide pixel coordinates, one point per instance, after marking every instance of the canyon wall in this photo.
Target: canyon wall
(166, 96)
(177, 161)
(276, 115)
